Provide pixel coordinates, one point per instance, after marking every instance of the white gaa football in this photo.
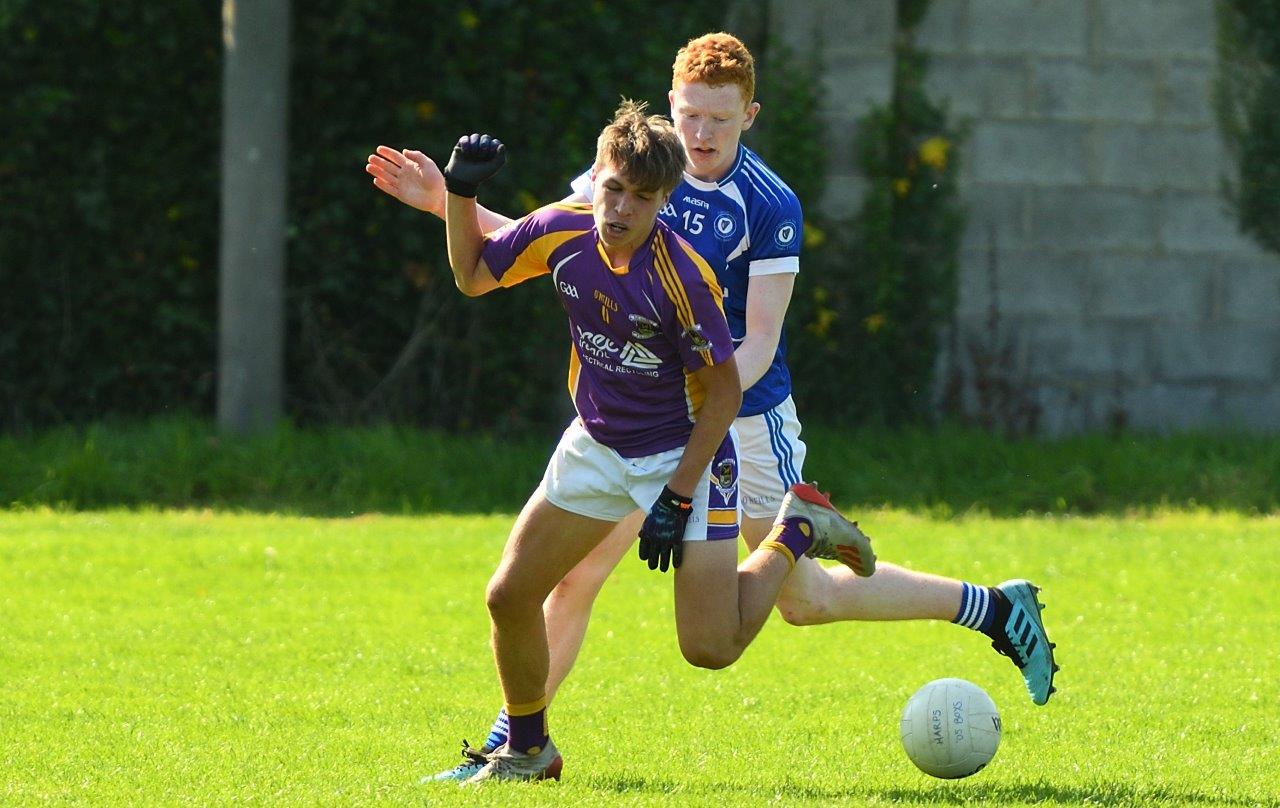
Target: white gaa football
(950, 728)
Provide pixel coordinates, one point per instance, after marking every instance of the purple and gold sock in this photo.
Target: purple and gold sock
(528, 726)
(792, 537)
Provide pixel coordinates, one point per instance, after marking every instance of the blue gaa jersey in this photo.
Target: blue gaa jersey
(747, 224)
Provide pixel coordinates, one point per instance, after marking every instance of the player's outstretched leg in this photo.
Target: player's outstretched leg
(834, 536)
(1018, 633)
(504, 763)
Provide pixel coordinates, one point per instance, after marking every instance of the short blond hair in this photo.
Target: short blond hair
(644, 149)
(715, 60)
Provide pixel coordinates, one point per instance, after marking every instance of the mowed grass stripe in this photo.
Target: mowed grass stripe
(205, 658)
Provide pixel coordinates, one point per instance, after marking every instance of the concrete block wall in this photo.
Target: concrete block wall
(1091, 175)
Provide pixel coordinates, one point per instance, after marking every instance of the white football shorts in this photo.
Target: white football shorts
(771, 458)
(588, 478)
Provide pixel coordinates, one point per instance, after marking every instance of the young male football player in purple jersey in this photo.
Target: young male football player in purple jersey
(747, 223)
(656, 388)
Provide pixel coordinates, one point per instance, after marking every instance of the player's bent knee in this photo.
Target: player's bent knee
(712, 656)
(504, 597)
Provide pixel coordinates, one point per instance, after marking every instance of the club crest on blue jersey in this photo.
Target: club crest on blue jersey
(785, 235)
(725, 226)
(644, 327)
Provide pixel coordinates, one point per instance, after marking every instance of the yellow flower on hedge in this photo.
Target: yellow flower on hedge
(426, 110)
(813, 237)
(468, 19)
(528, 201)
(874, 322)
(901, 186)
(823, 318)
(934, 151)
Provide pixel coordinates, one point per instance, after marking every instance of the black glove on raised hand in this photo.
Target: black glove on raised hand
(475, 159)
(662, 534)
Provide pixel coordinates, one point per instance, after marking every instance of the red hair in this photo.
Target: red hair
(715, 60)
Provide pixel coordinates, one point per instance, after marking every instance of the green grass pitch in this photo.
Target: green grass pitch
(194, 658)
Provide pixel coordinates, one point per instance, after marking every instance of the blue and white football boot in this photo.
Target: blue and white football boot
(1023, 639)
(473, 760)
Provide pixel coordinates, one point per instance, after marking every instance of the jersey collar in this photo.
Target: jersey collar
(644, 249)
(703, 185)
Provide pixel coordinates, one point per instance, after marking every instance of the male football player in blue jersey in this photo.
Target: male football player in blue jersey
(656, 388)
(747, 223)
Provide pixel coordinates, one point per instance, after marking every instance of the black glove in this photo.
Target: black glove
(475, 159)
(662, 534)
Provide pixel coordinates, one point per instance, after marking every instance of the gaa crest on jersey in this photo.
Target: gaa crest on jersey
(725, 225)
(726, 477)
(643, 327)
(696, 340)
(786, 234)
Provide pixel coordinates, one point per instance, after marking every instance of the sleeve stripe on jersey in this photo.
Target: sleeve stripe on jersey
(671, 282)
(708, 274)
(533, 260)
(684, 311)
(754, 162)
(709, 278)
(764, 189)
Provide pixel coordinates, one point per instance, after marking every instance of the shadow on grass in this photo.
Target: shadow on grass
(1098, 793)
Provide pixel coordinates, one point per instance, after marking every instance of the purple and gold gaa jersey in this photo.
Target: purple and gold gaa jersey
(747, 224)
(638, 332)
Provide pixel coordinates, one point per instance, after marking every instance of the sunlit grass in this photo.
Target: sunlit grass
(201, 658)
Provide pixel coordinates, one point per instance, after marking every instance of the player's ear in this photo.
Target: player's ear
(671, 100)
(753, 109)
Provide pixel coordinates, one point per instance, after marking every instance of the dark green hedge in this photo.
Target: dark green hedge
(108, 193)
(109, 185)
(1247, 98)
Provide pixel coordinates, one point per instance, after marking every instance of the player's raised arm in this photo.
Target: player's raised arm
(413, 178)
(475, 159)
